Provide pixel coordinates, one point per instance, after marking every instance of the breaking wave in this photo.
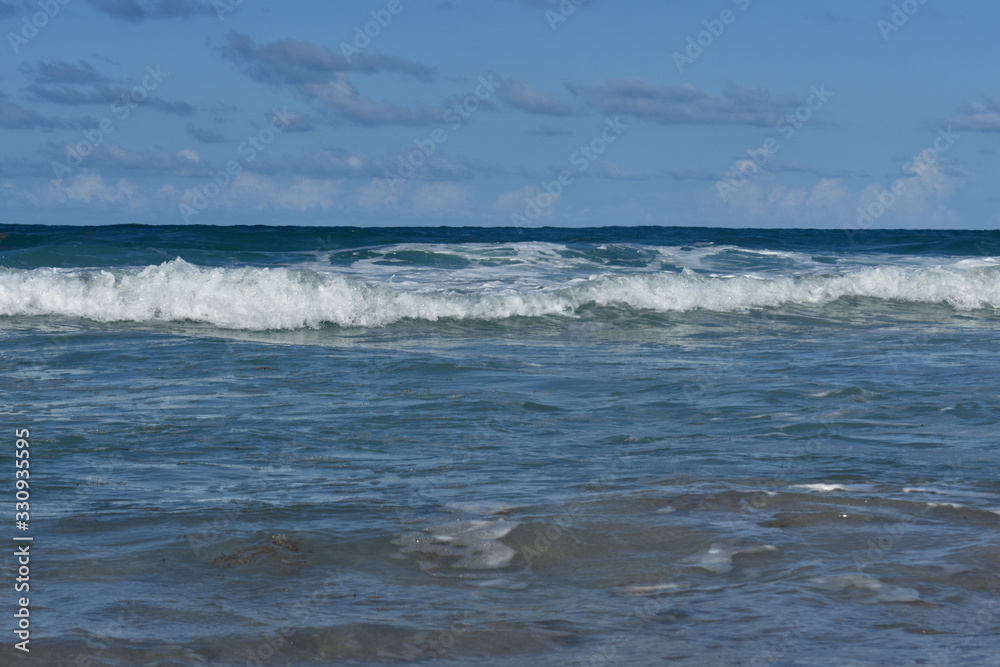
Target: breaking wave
(254, 298)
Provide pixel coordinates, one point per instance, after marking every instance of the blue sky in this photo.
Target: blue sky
(849, 114)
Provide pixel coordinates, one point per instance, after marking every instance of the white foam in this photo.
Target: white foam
(885, 592)
(719, 558)
(502, 583)
(261, 299)
(824, 488)
(474, 544)
(652, 589)
(954, 506)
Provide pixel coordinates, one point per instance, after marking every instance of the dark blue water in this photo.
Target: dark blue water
(291, 446)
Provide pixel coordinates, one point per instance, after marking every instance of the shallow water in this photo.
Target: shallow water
(696, 449)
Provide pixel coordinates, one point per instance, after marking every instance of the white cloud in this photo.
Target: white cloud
(378, 194)
(918, 201)
(262, 192)
(308, 193)
(922, 200)
(89, 187)
(529, 202)
(828, 192)
(611, 170)
(441, 199)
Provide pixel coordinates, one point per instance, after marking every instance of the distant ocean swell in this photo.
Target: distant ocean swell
(254, 298)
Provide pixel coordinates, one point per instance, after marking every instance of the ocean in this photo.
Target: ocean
(637, 446)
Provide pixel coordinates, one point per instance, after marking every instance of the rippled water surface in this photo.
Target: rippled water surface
(273, 446)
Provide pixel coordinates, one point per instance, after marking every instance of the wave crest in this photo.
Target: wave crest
(278, 298)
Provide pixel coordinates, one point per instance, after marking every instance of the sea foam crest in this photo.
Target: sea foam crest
(279, 298)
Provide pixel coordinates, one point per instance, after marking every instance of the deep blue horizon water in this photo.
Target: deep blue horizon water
(621, 445)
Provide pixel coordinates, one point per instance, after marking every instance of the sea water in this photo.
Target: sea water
(302, 446)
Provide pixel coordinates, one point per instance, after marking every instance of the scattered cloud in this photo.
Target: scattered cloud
(262, 192)
(322, 162)
(320, 75)
(204, 136)
(340, 97)
(827, 192)
(979, 117)
(613, 171)
(89, 187)
(683, 105)
(514, 201)
(691, 174)
(293, 62)
(444, 199)
(59, 71)
(299, 122)
(920, 200)
(142, 10)
(105, 95)
(545, 130)
(116, 159)
(524, 96)
(223, 112)
(798, 168)
(378, 195)
(15, 117)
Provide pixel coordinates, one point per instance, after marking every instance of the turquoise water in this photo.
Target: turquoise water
(288, 446)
